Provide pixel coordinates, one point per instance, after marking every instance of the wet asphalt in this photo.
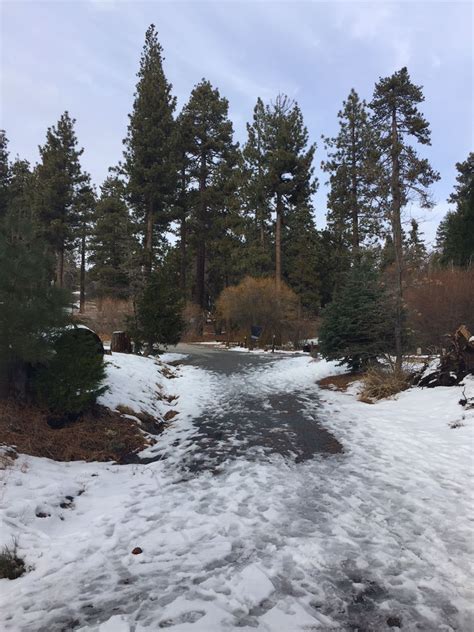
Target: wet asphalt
(245, 421)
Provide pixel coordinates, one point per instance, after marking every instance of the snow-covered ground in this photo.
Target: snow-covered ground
(378, 536)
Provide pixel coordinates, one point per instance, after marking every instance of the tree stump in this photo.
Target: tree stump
(120, 342)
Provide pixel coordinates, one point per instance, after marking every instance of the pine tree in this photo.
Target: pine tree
(415, 249)
(211, 157)
(259, 243)
(455, 236)
(4, 173)
(112, 242)
(301, 265)
(84, 207)
(289, 180)
(31, 308)
(352, 165)
(396, 119)
(59, 177)
(157, 318)
(149, 156)
(357, 325)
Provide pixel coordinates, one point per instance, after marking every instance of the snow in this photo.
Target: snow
(383, 529)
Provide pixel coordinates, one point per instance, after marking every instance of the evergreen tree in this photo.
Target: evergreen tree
(352, 165)
(357, 325)
(157, 318)
(301, 265)
(396, 119)
(455, 236)
(211, 158)
(59, 177)
(149, 156)
(84, 206)
(254, 190)
(415, 249)
(31, 308)
(289, 180)
(4, 173)
(112, 242)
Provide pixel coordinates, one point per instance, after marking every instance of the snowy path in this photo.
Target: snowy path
(248, 534)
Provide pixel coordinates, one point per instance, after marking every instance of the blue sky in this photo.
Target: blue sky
(82, 55)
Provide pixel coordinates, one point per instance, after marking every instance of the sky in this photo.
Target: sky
(83, 55)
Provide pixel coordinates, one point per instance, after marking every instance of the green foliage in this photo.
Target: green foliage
(455, 236)
(30, 306)
(210, 163)
(58, 177)
(4, 173)
(358, 325)
(352, 166)
(149, 156)
(111, 242)
(158, 309)
(71, 380)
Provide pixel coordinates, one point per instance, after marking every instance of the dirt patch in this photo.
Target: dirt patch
(99, 435)
(339, 382)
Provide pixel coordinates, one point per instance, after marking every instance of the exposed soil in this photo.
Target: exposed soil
(339, 382)
(99, 435)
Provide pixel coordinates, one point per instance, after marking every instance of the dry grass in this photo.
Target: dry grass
(378, 383)
(11, 566)
(339, 382)
(99, 435)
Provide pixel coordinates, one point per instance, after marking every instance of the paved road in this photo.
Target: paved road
(248, 416)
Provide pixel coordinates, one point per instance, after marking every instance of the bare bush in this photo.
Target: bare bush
(437, 303)
(106, 315)
(255, 301)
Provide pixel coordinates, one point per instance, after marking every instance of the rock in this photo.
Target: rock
(137, 550)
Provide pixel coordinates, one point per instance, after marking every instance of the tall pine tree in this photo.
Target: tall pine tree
(149, 156)
(211, 158)
(4, 173)
(59, 176)
(288, 162)
(352, 166)
(397, 120)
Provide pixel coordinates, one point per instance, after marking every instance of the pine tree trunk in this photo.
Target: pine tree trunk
(82, 277)
(278, 244)
(60, 268)
(200, 274)
(397, 240)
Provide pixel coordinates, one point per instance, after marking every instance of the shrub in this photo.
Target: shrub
(379, 383)
(71, 380)
(358, 325)
(255, 301)
(11, 566)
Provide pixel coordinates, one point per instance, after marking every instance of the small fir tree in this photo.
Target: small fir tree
(157, 319)
(357, 325)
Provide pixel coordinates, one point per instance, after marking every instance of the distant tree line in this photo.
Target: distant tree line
(188, 212)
